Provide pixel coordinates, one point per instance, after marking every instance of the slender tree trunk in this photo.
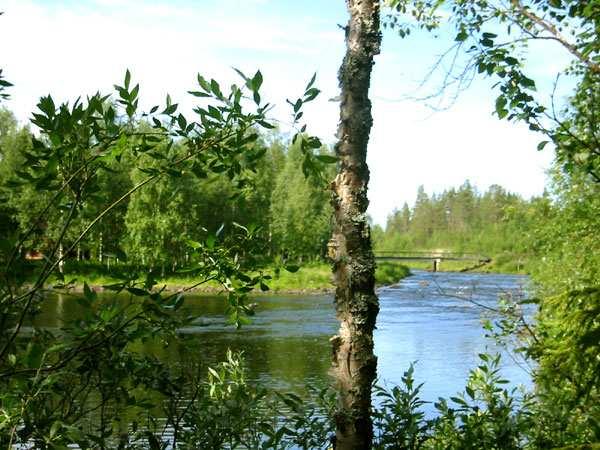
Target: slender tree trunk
(61, 261)
(100, 249)
(354, 364)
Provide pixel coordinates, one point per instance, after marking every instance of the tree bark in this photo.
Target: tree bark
(354, 364)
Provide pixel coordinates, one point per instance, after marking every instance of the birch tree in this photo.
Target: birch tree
(354, 364)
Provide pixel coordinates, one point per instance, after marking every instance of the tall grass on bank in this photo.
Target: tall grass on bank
(312, 277)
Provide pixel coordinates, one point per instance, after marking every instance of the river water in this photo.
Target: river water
(427, 318)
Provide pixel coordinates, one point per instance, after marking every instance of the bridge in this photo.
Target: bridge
(436, 257)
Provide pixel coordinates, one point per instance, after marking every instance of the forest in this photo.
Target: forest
(290, 212)
(100, 188)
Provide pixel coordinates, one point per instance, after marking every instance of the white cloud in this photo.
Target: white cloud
(75, 48)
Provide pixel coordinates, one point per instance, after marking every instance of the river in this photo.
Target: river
(428, 318)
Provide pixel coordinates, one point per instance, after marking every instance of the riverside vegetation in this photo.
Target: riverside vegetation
(39, 404)
(69, 190)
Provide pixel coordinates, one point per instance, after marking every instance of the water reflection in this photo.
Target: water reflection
(424, 318)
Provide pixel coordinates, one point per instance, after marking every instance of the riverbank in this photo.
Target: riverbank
(312, 278)
(502, 264)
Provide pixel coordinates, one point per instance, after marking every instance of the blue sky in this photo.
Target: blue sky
(70, 48)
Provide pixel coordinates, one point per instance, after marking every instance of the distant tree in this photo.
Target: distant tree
(23, 202)
(10, 140)
(160, 218)
(255, 204)
(300, 210)
(399, 221)
(422, 218)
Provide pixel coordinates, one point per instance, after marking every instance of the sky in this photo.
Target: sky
(76, 47)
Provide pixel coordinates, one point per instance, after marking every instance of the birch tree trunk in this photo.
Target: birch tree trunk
(354, 364)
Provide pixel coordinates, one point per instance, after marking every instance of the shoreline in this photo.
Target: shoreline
(99, 288)
(310, 280)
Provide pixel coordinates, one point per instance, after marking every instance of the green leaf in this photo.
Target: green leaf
(135, 91)
(292, 268)
(203, 83)
(265, 124)
(461, 36)
(511, 61)
(88, 292)
(210, 241)
(181, 121)
(257, 81)
(470, 391)
(199, 94)
(311, 94)
(170, 109)
(215, 88)
(137, 291)
(311, 82)
(528, 83)
(127, 79)
(501, 110)
(241, 74)
(328, 159)
(117, 287)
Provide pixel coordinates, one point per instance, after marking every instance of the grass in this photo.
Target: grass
(317, 276)
(312, 277)
(390, 273)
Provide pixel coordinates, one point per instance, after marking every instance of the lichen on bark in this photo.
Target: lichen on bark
(354, 363)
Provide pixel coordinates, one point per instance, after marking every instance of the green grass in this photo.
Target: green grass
(390, 273)
(312, 277)
(318, 276)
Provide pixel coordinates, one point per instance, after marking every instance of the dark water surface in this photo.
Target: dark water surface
(287, 344)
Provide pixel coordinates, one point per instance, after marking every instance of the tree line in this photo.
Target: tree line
(495, 223)
(153, 227)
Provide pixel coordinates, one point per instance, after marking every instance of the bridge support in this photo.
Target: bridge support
(436, 264)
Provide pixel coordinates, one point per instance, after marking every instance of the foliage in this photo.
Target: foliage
(88, 383)
(300, 210)
(78, 185)
(398, 420)
(567, 331)
(577, 135)
(494, 39)
(496, 223)
(485, 415)
(3, 85)
(294, 219)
